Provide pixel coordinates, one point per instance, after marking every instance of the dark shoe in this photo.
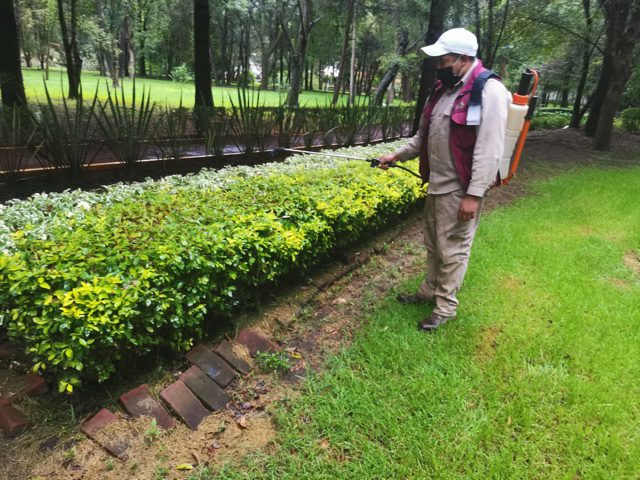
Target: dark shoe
(432, 322)
(414, 299)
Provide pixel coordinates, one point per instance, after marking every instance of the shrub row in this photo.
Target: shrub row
(87, 278)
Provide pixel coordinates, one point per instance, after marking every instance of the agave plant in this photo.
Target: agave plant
(252, 124)
(355, 122)
(213, 124)
(126, 128)
(289, 122)
(69, 140)
(173, 141)
(17, 133)
(327, 120)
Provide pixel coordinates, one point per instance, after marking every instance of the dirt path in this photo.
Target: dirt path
(312, 320)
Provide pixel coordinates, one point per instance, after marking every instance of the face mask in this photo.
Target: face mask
(447, 77)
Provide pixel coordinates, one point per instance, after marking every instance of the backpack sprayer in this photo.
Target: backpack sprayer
(518, 122)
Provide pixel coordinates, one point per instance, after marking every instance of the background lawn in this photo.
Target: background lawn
(162, 91)
(537, 378)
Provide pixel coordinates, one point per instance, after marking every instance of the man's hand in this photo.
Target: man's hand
(387, 159)
(468, 208)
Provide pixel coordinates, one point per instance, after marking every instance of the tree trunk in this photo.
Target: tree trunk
(498, 41)
(577, 103)
(489, 39)
(268, 44)
(306, 75)
(142, 60)
(564, 99)
(352, 73)
(202, 64)
(10, 69)
(70, 43)
(477, 19)
(132, 58)
(343, 54)
(299, 52)
(392, 71)
(623, 32)
(586, 57)
(435, 28)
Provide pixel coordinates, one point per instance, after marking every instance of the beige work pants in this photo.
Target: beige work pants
(448, 242)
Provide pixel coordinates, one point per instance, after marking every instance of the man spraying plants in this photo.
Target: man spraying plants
(461, 145)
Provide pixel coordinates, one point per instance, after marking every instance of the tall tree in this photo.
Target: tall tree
(10, 68)
(70, 43)
(437, 15)
(299, 49)
(342, 67)
(587, 52)
(394, 66)
(202, 59)
(268, 40)
(623, 32)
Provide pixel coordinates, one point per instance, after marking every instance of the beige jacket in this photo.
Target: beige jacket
(489, 144)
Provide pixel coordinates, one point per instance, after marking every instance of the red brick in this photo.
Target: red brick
(225, 350)
(12, 421)
(255, 342)
(182, 401)
(101, 419)
(211, 364)
(34, 385)
(115, 446)
(139, 402)
(207, 391)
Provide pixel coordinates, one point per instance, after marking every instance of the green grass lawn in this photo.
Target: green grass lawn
(537, 378)
(162, 91)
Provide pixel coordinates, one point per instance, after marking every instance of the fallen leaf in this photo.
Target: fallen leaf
(184, 466)
(339, 301)
(242, 421)
(196, 457)
(216, 444)
(324, 443)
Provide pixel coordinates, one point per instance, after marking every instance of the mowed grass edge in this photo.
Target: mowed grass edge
(537, 378)
(163, 92)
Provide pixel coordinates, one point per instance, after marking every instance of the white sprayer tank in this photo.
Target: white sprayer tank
(515, 122)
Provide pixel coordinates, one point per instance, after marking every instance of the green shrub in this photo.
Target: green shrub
(550, 120)
(181, 74)
(630, 118)
(87, 279)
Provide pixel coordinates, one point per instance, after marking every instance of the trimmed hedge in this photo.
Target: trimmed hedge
(88, 278)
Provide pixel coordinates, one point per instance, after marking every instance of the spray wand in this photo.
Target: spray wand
(374, 162)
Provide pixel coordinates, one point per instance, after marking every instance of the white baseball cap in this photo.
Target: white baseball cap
(456, 40)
